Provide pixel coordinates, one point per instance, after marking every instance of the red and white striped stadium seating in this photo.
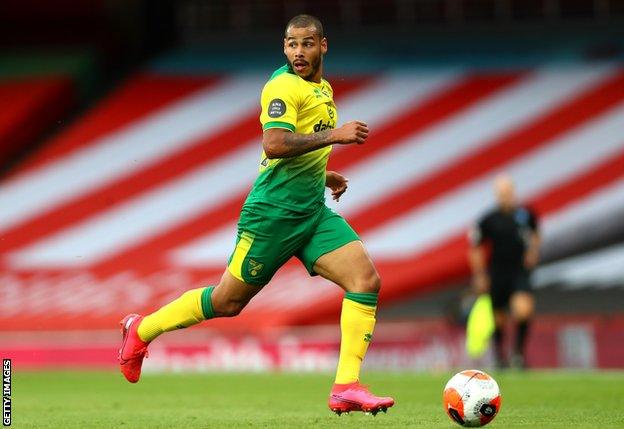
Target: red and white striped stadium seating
(138, 199)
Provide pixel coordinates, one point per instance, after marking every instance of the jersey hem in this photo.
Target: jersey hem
(281, 205)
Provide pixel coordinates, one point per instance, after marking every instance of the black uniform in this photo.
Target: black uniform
(509, 234)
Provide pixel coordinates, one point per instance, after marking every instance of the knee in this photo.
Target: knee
(229, 308)
(522, 307)
(368, 283)
(523, 314)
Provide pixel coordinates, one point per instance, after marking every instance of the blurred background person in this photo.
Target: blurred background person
(510, 231)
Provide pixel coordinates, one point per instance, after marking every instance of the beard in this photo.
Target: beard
(315, 64)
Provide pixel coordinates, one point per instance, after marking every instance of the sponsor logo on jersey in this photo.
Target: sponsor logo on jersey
(321, 126)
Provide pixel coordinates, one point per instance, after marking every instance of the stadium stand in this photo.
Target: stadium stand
(38, 92)
(29, 107)
(139, 198)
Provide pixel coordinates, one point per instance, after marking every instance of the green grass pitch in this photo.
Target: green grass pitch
(105, 400)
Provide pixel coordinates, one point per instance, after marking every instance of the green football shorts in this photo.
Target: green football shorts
(269, 236)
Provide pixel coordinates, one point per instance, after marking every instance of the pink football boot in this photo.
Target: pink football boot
(133, 350)
(356, 397)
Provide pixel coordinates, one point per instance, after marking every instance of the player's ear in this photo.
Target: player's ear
(324, 45)
(285, 45)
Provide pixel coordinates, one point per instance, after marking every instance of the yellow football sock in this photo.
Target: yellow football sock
(191, 308)
(357, 323)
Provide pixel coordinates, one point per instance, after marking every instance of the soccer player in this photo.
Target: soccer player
(512, 231)
(285, 215)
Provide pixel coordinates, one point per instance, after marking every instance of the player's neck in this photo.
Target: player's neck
(318, 76)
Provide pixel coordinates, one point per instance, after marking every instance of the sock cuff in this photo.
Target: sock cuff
(206, 303)
(365, 298)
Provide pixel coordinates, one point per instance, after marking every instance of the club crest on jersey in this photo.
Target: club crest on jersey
(320, 126)
(254, 267)
(319, 93)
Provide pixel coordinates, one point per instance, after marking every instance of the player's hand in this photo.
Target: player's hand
(481, 283)
(531, 258)
(337, 183)
(351, 132)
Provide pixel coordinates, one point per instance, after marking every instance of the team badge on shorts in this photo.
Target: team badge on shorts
(254, 267)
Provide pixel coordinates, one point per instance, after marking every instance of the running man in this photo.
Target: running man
(285, 215)
(513, 233)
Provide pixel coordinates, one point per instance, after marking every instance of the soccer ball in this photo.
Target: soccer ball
(471, 398)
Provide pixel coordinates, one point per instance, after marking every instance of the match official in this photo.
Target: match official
(511, 232)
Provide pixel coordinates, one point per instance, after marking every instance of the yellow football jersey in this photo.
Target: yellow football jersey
(300, 106)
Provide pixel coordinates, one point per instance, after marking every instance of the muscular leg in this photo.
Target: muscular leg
(227, 299)
(231, 295)
(352, 269)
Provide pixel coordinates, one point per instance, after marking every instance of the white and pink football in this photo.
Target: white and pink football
(471, 398)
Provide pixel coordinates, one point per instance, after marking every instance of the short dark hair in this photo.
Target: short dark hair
(303, 21)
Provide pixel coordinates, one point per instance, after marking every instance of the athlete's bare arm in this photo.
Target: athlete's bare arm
(281, 143)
